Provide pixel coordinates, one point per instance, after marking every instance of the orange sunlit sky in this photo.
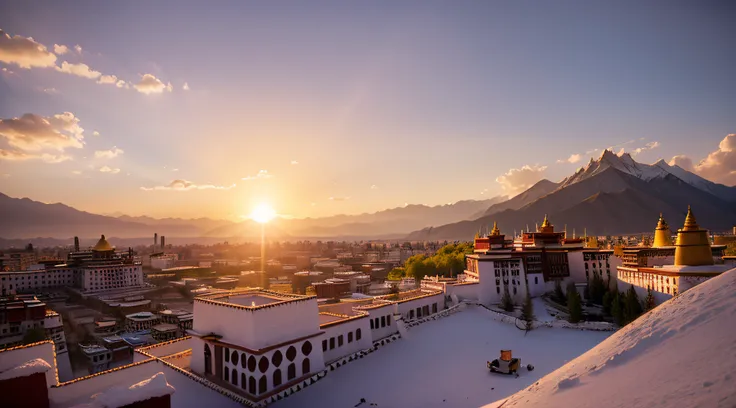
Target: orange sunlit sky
(182, 109)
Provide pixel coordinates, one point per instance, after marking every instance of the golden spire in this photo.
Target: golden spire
(662, 224)
(662, 234)
(495, 230)
(545, 223)
(690, 223)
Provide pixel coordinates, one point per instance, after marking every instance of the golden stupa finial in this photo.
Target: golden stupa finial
(690, 223)
(545, 223)
(495, 231)
(662, 223)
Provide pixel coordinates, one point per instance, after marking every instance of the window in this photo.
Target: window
(243, 360)
(324, 343)
(305, 366)
(243, 383)
(536, 280)
(235, 377)
(372, 326)
(357, 334)
(251, 364)
(332, 343)
(227, 374)
(262, 385)
(498, 289)
(434, 308)
(227, 355)
(252, 385)
(277, 378)
(339, 340)
(234, 357)
(514, 290)
(263, 364)
(419, 312)
(383, 321)
(306, 348)
(291, 374)
(375, 322)
(291, 353)
(350, 337)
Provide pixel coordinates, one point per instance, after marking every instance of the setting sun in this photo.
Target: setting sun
(263, 213)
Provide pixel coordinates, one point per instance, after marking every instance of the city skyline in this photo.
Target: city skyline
(327, 109)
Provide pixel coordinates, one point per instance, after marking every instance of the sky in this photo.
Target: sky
(206, 109)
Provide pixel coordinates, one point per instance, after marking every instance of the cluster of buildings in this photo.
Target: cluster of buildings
(98, 269)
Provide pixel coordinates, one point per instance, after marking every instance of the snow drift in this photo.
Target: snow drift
(681, 354)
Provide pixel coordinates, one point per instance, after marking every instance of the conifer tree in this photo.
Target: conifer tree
(527, 312)
(507, 303)
(617, 310)
(650, 302)
(632, 308)
(559, 294)
(574, 304)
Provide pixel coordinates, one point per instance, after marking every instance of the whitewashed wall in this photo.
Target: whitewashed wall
(343, 329)
(403, 308)
(378, 333)
(14, 358)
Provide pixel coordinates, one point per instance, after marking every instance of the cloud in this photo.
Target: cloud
(24, 52)
(82, 70)
(184, 185)
(109, 154)
(7, 71)
(261, 175)
(294, 162)
(109, 79)
(174, 169)
(121, 84)
(106, 169)
(60, 49)
(648, 146)
(374, 187)
(682, 161)
(150, 84)
(339, 198)
(95, 133)
(720, 165)
(516, 181)
(185, 86)
(78, 49)
(32, 134)
(51, 91)
(574, 158)
(77, 172)
(592, 151)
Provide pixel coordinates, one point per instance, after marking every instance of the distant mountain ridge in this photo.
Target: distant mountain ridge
(611, 195)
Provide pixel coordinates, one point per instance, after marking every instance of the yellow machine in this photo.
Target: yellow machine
(506, 364)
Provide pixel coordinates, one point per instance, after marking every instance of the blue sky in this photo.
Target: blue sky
(377, 104)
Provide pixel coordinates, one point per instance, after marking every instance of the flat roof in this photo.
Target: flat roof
(250, 299)
(164, 327)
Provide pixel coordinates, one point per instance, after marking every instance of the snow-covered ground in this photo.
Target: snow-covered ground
(442, 363)
(540, 310)
(681, 354)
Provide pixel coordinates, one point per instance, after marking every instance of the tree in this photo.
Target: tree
(608, 302)
(597, 288)
(34, 335)
(617, 310)
(649, 302)
(559, 295)
(507, 303)
(396, 274)
(632, 308)
(527, 312)
(574, 304)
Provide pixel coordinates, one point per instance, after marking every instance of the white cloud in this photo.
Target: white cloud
(108, 79)
(648, 146)
(109, 154)
(95, 133)
(78, 49)
(60, 49)
(51, 91)
(682, 161)
(31, 137)
(77, 172)
(150, 84)
(174, 169)
(720, 165)
(7, 71)
(169, 87)
(516, 181)
(339, 198)
(185, 86)
(294, 162)
(82, 70)
(24, 52)
(261, 175)
(106, 169)
(122, 84)
(374, 187)
(184, 185)
(574, 158)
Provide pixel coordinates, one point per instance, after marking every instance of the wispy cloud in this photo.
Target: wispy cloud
(24, 52)
(294, 162)
(95, 133)
(106, 169)
(185, 185)
(60, 49)
(374, 187)
(574, 158)
(339, 198)
(109, 154)
(81, 69)
(78, 49)
(261, 175)
(76, 172)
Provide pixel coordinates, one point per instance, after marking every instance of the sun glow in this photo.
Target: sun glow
(263, 213)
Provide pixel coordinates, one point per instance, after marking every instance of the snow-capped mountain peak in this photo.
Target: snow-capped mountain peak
(624, 163)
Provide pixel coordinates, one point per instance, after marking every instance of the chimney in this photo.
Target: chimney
(76, 244)
(163, 242)
(155, 241)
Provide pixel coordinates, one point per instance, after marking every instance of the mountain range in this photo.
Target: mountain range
(25, 218)
(611, 195)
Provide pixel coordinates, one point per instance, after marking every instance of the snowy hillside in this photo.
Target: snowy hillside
(682, 354)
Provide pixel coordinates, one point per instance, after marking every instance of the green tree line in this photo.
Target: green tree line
(448, 261)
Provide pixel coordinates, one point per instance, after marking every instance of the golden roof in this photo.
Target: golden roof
(690, 223)
(662, 224)
(102, 245)
(495, 230)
